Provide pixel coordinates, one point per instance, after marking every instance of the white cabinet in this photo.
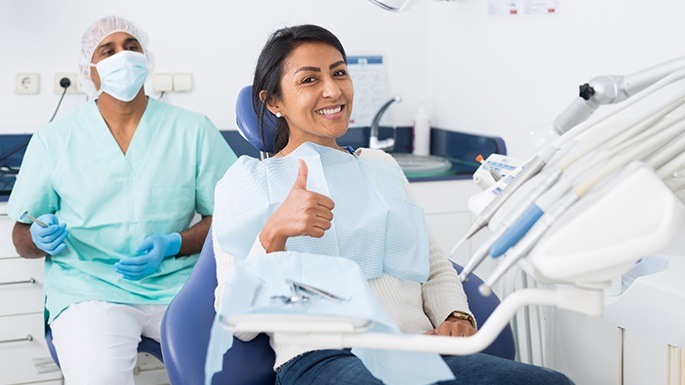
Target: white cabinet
(24, 356)
(638, 340)
(445, 204)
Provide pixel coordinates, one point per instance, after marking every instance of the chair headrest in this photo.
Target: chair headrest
(248, 124)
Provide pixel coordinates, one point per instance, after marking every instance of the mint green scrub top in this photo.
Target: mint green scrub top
(111, 201)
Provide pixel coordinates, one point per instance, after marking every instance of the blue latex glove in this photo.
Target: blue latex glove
(49, 239)
(150, 254)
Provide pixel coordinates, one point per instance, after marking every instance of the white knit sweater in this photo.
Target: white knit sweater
(415, 307)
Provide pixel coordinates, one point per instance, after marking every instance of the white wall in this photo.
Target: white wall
(497, 76)
(217, 41)
(507, 76)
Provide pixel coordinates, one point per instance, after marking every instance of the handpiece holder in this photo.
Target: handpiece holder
(609, 89)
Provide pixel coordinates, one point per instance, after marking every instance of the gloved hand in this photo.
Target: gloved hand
(150, 254)
(49, 239)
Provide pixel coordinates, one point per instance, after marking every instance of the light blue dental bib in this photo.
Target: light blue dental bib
(253, 283)
(375, 222)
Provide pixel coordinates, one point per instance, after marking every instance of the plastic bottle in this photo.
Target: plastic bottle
(422, 132)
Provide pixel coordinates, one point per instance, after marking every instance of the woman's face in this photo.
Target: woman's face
(317, 94)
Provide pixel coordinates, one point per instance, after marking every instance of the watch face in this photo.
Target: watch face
(462, 316)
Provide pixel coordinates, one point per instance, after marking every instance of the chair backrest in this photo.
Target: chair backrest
(248, 123)
(186, 329)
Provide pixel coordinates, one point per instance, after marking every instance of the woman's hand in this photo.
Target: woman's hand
(302, 213)
(453, 328)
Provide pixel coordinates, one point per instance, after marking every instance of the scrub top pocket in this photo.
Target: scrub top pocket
(168, 202)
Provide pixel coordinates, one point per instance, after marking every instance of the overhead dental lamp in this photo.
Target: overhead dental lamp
(393, 5)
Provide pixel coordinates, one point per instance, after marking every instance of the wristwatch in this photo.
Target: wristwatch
(461, 315)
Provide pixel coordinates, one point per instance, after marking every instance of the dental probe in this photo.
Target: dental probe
(523, 247)
(482, 251)
(26, 215)
(494, 174)
(532, 214)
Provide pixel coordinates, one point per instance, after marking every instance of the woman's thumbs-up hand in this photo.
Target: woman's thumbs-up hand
(303, 212)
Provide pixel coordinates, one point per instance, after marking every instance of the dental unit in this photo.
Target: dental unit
(597, 129)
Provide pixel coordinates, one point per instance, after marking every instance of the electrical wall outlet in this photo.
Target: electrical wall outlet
(74, 87)
(172, 82)
(28, 84)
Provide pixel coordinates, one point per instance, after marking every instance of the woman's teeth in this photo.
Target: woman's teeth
(329, 111)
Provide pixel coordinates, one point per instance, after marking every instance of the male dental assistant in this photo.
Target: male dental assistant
(118, 183)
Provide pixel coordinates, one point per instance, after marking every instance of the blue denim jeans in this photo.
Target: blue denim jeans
(340, 367)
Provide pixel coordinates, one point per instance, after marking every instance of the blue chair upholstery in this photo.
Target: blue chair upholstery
(482, 306)
(186, 329)
(248, 124)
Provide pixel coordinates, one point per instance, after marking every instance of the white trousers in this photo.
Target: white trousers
(97, 342)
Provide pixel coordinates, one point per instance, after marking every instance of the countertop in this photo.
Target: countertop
(460, 148)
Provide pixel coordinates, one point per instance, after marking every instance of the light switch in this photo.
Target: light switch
(163, 83)
(28, 83)
(183, 82)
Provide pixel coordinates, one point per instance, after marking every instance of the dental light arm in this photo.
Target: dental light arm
(609, 89)
(393, 5)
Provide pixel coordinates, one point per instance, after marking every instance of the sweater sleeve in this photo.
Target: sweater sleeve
(442, 292)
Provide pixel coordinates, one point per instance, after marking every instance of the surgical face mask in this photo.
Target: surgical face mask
(122, 75)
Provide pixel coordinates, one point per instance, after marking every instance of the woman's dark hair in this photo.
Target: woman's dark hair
(269, 69)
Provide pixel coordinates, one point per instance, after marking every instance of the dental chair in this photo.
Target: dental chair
(187, 323)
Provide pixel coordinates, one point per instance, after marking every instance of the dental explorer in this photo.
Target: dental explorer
(26, 215)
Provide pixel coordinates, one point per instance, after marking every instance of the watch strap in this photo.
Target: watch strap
(463, 316)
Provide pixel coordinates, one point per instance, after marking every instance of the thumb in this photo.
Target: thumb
(145, 246)
(301, 180)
